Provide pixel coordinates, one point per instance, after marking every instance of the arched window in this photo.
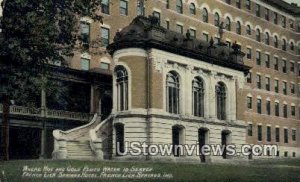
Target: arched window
(217, 19)
(228, 24)
(276, 41)
(238, 28)
(248, 30)
(267, 38)
(192, 9)
(258, 35)
(221, 101)
(205, 15)
(119, 131)
(122, 88)
(198, 97)
(284, 44)
(292, 46)
(179, 6)
(172, 94)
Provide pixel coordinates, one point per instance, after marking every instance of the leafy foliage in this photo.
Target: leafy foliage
(36, 33)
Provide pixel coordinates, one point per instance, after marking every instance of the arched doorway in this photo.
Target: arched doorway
(177, 140)
(226, 137)
(202, 139)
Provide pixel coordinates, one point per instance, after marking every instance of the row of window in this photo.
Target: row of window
(85, 64)
(269, 133)
(85, 34)
(292, 87)
(173, 94)
(267, 14)
(192, 8)
(267, 61)
(268, 107)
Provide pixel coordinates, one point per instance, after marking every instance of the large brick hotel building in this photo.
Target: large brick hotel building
(268, 32)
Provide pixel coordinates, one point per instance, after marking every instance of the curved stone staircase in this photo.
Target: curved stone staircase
(88, 142)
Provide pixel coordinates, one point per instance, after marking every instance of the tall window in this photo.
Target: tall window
(267, 14)
(217, 19)
(249, 102)
(275, 18)
(268, 133)
(292, 46)
(172, 95)
(250, 129)
(268, 83)
(249, 53)
(122, 88)
(198, 97)
(249, 77)
(258, 38)
(268, 107)
(258, 106)
(257, 10)
(258, 81)
(285, 111)
(105, 6)
(104, 37)
(228, 24)
(205, 15)
(179, 6)
(284, 44)
(292, 88)
(267, 61)
(85, 32)
(293, 135)
(157, 15)
(259, 133)
(123, 7)
(267, 39)
(248, 30)
(286, 135)
(276, 41)
(248, 4)
(193, 33)
(258, 58)
(167, 4)
(238, 28)
(276, 61)
(276, 109)
(284, 66)
(140, 8)
(192, 9)
(277, 134)
(276, 86)
(221, 101)
(238, 4)
(119, 128)
(293, 110)
(283, 21)
(284, 88)
(179, 28)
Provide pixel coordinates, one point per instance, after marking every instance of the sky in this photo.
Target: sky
(293, 1)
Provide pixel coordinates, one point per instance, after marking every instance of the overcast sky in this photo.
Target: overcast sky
(293, 1)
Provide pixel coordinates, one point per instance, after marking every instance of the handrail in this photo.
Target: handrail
(50, 113)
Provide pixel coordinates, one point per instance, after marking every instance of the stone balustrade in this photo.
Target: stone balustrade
(56, 114)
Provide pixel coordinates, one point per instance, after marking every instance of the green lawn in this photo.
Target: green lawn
(256, 171)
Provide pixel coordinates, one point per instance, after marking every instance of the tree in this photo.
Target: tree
(36, 34)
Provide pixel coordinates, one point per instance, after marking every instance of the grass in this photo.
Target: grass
(256, 171)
